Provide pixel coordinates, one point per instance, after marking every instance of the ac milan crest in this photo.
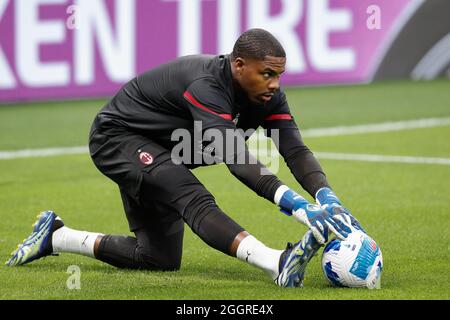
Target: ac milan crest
(146, 158)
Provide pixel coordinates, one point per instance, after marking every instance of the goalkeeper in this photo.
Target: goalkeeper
(132, 142)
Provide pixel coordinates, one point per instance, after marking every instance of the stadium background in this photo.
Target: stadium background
(355, 81)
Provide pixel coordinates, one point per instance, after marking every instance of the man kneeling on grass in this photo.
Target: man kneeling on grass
(132, 142)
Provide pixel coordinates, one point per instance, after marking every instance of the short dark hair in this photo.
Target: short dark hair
(257, 44)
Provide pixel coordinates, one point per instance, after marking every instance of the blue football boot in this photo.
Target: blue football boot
(39, 243)
(294, 259)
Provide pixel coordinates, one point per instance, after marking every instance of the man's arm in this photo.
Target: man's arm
(300, 160)
(308, 172)
(209, 105)
(258, 178)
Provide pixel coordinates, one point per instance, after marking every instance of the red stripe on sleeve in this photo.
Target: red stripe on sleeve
(195, 102)
(281, 116)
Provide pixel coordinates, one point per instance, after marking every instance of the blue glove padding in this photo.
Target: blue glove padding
(329, 201)
(313, 216)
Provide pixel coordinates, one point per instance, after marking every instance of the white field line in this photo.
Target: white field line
(381, 158)
(377, 127)
(267, 155)
(34, 153)
(318, 132)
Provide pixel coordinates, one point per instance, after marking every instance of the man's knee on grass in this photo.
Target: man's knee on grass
(125, 252)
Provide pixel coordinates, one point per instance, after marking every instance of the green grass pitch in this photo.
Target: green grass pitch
(403, 206)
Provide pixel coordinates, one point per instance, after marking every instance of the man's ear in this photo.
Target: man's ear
(239, 64)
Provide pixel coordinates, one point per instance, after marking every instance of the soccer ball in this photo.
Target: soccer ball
(355, 262)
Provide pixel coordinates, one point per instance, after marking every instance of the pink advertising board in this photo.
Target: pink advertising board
(59, 49)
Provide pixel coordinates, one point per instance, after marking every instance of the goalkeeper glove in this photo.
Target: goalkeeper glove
(318, 220)
(329, 201)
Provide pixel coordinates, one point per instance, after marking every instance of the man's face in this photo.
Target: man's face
(259, 78)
